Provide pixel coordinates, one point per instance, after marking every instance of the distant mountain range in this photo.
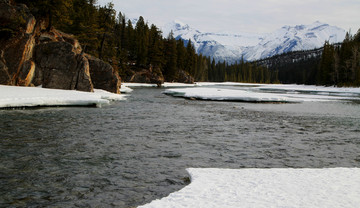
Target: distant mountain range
(231, 47)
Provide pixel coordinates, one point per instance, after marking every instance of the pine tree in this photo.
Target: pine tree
(56, 12)
(142, 42)
(156, 48)
(106, 21)
(181, 54)
(170, 70)
(190, 58)
(326, 65)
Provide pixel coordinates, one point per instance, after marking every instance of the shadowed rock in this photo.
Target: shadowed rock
(103, 75)
(61, 67)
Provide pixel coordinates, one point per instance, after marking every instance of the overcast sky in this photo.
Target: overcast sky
(259, 16)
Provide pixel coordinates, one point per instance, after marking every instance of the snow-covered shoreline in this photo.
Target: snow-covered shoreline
(17, 97)
(277, 187)
(265, 93)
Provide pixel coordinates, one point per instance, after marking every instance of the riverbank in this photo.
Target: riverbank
(18, 97)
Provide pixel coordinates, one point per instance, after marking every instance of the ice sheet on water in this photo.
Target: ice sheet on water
(346, 91)
(218, 94)
(333, 187)
(265, 93)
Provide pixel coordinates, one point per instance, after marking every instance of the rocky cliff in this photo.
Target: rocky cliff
(30, 55)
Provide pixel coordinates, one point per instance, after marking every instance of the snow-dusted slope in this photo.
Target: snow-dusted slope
(232, 47)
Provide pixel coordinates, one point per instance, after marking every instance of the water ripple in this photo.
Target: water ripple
(135, 151)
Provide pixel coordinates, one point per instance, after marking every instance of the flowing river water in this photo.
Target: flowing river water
(132, 152)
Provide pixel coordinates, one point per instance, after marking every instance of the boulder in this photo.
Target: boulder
(148, 76)
(103, 75)
(185, 77)
(60, 67)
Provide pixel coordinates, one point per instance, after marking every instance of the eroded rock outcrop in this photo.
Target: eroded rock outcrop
(26, 74)
(31, 55)
(185, 77)
(17, 39)
(61, 67)
(150, 75)
(103, 75)
(4, 74)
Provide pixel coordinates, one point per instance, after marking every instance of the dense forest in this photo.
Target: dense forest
(113, 38)
(333, 64)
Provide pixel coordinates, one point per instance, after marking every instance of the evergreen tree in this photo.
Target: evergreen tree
(106, 22)
(55, 12)
(156, 48)
(190, 58)
(142, 42)
(170, 70)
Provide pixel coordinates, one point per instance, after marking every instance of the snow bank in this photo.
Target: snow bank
(125, 89)
(346, 91)
(132, 84)
(166, 85)
(213, 188)
(196, 84)
(265, 93)
(13, 96)
(218, 94)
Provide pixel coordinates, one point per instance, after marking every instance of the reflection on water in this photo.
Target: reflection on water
(135, 151)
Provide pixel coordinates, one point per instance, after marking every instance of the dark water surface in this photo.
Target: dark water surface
(135, 151)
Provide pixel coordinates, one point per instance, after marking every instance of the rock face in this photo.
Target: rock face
(61, 67)
(26, 74)
(17, 39)
(103, 75)
(147, 76)
(4, 74)
(29, 55)
(185, 77)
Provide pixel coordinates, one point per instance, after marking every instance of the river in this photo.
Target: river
(132, 152)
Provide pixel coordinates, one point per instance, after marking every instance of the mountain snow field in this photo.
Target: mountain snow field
(234, 188)
(232, 47)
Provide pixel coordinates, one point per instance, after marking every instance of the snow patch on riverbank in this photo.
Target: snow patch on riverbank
(204, 93)
(233, 188)
(264, 92)
(15, 97)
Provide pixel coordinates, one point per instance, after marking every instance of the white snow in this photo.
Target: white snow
(125, 89)
(234, 188)
(218, 94)
(177, 84)
(265, 92)
(165, 85)
(132, 84)
(311, 88)
(231, 47)
(14, 96)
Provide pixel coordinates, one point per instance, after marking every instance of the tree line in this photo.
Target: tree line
(332, 65)
(112, 37)
(340, 64)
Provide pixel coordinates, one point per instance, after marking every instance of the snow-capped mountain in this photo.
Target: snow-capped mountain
(231, 47)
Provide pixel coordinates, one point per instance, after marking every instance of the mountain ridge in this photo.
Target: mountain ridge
(232, 47)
